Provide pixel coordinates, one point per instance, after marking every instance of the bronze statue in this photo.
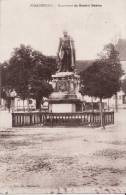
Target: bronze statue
(66, 54)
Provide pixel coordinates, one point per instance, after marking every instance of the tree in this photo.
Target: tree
(29, 72)
(113, 56)
(39, 84)
(102, 79)
(4, 92)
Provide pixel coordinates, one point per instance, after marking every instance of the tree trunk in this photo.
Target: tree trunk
(28, 104)
(101, 114)
(38, 104)
(9, 103)
(108, 104)
(116, 102)
(23, 106)
(92, 104)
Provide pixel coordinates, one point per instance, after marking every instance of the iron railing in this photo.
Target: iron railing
(61, 119)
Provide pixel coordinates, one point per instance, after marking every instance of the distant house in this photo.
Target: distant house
(121, 47)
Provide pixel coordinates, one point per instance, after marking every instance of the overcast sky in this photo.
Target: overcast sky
(41, 27)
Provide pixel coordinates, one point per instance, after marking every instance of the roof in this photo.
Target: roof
(121, 47)
(82, 65)
(123, 64)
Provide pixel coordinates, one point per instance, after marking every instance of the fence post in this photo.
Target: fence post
(30, 119)
(51, 119)
(13, 120)
(40, 117)
(113, 117)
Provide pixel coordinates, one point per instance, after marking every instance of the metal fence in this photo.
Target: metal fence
(61, 119)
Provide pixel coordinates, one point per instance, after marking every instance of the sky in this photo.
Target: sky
(29, 22)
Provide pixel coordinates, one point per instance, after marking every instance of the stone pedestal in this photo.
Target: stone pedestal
(66, 96)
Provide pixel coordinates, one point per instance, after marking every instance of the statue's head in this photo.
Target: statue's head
(65, 33)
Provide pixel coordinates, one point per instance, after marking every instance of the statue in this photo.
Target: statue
(66, 54)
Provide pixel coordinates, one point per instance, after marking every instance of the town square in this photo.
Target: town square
(62, 98)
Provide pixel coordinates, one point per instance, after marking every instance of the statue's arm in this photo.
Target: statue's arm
(73, 47)
(73, 51)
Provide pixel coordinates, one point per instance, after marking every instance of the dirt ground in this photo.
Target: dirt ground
(64, 160)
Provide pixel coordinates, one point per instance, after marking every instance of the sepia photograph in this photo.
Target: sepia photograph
(62, 96)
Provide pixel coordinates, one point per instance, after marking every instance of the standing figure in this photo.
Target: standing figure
(66, 54)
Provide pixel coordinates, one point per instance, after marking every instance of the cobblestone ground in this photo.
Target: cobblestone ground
(64, 160)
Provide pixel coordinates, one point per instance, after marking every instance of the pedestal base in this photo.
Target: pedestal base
(65, 97)
(65, 105)
(62, 107)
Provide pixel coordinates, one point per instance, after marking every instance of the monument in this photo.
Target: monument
(66, 83)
